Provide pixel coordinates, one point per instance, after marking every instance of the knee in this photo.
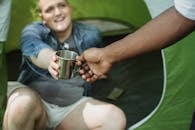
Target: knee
(115, 116)
(20, 106)
(104, 116)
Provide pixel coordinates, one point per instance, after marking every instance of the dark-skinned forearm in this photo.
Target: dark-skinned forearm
(160, 32)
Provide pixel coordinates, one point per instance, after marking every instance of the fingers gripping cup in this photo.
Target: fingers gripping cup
(67, 60)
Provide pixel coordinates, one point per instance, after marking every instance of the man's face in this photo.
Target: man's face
(56, 14)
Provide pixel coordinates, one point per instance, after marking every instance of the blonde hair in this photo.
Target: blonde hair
(38, 5)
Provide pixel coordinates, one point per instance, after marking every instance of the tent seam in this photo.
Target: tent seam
(141, 122)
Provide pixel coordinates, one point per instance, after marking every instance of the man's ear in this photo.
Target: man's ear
(41, 16)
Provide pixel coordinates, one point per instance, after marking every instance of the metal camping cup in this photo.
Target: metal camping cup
(67, 62)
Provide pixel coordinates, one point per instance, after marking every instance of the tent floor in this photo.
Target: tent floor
(135, 85)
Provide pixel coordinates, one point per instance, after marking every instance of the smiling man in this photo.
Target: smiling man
(49, 102)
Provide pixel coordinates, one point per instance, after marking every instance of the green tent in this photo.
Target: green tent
(175, 109)
(155, 90)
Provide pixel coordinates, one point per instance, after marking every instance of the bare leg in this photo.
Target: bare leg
(94, 115)
(24, 111)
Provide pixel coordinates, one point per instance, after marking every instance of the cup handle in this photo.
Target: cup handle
(77, 68)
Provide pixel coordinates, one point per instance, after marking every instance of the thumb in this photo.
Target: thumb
(92, 55)
(80, 58)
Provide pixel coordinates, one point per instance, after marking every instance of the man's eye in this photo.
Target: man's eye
(49, 10)
(62, 5)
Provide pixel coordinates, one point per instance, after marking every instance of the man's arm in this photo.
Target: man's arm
(160, 32)
(44, 58)
(47, 59)
(39, 52)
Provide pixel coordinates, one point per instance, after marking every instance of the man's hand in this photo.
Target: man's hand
(97, 65)
(54, 67)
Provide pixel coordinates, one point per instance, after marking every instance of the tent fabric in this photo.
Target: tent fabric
(156, 7)
(155, 10)
(177, 104)
(5, 18)
(5, 6)
(192, 126)
(3, 81)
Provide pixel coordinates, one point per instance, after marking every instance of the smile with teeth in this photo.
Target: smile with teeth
(59, 19)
